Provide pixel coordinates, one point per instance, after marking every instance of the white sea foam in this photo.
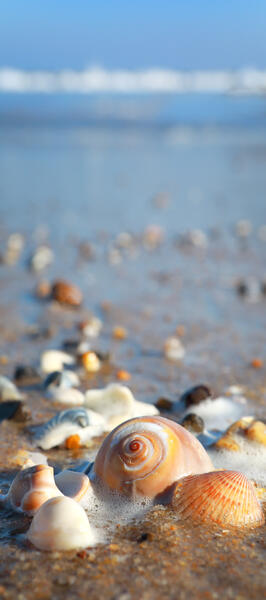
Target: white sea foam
(250, 460)
(154, 80)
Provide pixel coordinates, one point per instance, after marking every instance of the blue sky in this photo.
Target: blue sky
(52, 34)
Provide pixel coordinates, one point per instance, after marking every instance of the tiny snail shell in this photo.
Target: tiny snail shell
(223, 497)
(31, 488)
(146, 455)
(60, 524)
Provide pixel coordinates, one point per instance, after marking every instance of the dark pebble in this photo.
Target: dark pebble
(242, 288)
(145, 537)
(14, 409)
(71, 346)
(26, 373)
(193, 422)
(195, 395)
(164, 403)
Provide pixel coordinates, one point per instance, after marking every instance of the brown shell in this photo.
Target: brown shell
(223, 497)
(66, 293)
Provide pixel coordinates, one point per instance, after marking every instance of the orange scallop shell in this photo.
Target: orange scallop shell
(146, 455)
(224, 497)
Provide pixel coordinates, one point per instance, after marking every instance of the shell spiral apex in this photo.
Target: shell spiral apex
(223, 497)
(146, 455)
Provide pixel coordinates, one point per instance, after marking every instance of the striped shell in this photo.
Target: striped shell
(31, 488)
(224, 497)
(146, 455)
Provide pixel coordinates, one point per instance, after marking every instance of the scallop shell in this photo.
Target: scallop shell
(80, 421)
(144, 456)
(224, 497)
(60, 524)
(31, 488)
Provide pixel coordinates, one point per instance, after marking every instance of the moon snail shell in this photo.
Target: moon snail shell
(145, 456)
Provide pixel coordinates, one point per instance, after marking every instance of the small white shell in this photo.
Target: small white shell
(60, 524)
(117, 404)
(174, 349)
(55, 360)
(8, 390)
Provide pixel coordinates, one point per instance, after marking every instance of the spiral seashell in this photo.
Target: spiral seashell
(144, 456)
(60, 524)
(66, 423)
(223, 497)
(31, 488)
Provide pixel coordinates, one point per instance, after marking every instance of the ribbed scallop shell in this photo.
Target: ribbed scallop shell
(145, 455)
(224, 497)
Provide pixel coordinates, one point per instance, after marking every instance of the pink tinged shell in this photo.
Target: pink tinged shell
(223, 497)
(31, 488)
(165, 451)
(73, 484)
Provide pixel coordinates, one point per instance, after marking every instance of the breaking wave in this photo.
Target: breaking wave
(97, 80)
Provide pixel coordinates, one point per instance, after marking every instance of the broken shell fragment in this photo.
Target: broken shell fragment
(227, 442)
(85, 423)
(222, 497)
(61, 524)
(117, 404)
(55, 360)
(8, 390)
(256, 432)
(58, 386)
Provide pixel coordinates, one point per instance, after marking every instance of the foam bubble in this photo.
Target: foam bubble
(220, 412)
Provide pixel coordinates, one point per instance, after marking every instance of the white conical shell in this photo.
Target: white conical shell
(60, 524)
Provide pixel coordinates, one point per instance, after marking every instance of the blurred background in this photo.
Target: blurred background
(105, 105)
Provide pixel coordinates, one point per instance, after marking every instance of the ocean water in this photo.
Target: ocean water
(80, 164)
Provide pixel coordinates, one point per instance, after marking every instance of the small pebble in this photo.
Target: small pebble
(257, 363)
(26, 374)
(119, 333)
(66, 293)
(243, 228)
(174, 349)
(41, 258)
(153, 237)
(195, 395)
(43, 289)
(164, 403)
(91, 362)
(91, 327)
(123, 375)
(193, 423)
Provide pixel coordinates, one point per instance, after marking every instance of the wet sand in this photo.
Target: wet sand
(151, 292)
